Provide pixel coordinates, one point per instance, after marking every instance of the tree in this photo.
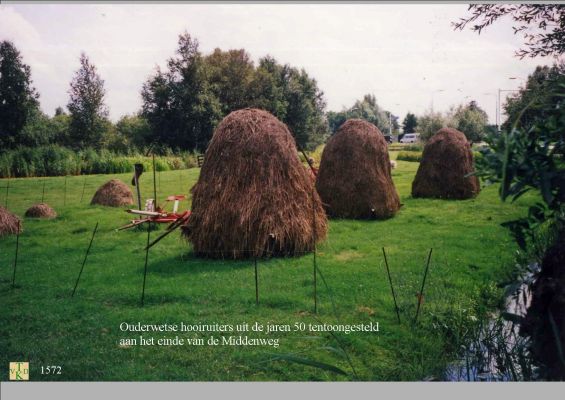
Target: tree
(543, 25)
(471, 120)
(37, 131)
(525, 160)
(293, 97)
(184, 104)
(59, 128)
(529, 105)
(179, 104)
(430, 123)
(409, 124)
(305, 111)
(229, 74)
(267, 87)
(18, 98)
(135, 129)
(86, 107)
(59, 111)
(367, 109)
(336, 119)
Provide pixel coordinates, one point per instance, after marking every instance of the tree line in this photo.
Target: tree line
(184, 100)
(181, 103)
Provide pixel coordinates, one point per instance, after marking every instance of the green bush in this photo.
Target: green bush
(413, 147)
(410, 156)
(405, 147)
(54, 160)
(417, 156)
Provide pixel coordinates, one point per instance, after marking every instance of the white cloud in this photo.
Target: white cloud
(403, 54)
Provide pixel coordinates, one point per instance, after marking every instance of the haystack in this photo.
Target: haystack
(40, 210)
(9, 223)
(446, 161)
(355, 180)
(113, 193)
(254, 197)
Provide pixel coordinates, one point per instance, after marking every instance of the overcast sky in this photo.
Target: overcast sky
(407, 55)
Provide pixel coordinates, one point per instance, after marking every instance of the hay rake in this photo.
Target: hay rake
(153, 213)
(158, 215)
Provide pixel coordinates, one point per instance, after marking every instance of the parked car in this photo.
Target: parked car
(410, 138)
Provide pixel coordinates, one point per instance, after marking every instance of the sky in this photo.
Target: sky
(408, 56)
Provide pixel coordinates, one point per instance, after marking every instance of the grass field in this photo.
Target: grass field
(41, 323)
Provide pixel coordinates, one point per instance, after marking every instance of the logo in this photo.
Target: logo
(19, 371)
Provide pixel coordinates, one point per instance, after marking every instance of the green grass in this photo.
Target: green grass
(41, 323)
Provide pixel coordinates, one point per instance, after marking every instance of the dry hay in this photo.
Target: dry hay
(355, 180)
(113, 193)
(254, 197)
(9, 223)
(40, 210)
(446, 161)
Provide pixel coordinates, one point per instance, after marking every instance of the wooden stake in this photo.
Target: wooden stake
(391, 286)
(83, 187)
(314, 238)
(137, 189)
(65, 193)
(146, 260)
(16, 255)
(421, 294)
(154, 183)
(7, 192)
(85, 257)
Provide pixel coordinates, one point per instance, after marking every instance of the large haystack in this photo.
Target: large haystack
(113, 193)
(354, 180)
(41, 210)
(446, 160)
(9, 223)
(253, 196)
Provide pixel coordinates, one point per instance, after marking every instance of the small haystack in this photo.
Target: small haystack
(41, 210)
(113, 193)
(355, 180)
(9, 223)
(253, 196)
(446, 160)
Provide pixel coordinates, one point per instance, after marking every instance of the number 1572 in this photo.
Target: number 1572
(51, 370)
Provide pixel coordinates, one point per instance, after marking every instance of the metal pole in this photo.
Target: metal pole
(421, 294)
(16, 256)
(85, 257)
(391, 287)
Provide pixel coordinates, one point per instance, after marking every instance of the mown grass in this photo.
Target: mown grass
(41, 323)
